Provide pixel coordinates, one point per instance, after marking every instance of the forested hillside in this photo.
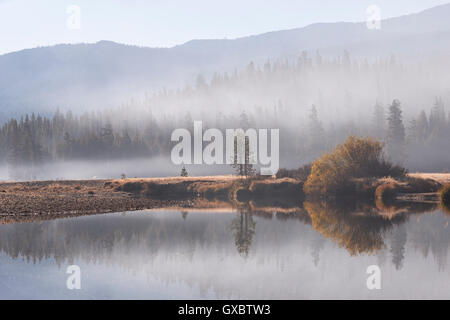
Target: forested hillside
(275, 95)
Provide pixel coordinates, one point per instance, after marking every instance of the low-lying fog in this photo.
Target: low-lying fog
(112, 169)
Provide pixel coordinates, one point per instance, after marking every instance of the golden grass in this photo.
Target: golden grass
(180, 179)
(442, 178)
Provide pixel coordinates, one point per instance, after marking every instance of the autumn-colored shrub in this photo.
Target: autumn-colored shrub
(386, 192)
(385, 195)
(332, 174)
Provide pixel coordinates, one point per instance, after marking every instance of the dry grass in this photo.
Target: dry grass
(220, 187)
(442, 178)
(222, 178)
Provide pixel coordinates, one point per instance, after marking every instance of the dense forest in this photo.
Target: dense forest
(275, 95)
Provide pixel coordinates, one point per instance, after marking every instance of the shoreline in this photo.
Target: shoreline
(71, 198)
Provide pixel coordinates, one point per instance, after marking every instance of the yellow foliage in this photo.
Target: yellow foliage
(356, 158)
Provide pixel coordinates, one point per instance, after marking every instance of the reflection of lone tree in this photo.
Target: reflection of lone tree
(243, 228)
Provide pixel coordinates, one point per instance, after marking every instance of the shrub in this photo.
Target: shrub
(356, 158)
(301, 173)
(285, 173)
(130, 187)
(386, 193)
(184, 172)
(286, 187)
(445, 198)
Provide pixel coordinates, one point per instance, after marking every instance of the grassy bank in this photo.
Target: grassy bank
(212, 187)
(52, 199)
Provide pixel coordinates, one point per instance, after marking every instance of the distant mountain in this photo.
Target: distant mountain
(104, 74)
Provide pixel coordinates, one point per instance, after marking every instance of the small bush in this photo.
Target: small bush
(285, 173)
(445, 198)
(419, 185)
(386, 192)
(301, 173)
(130, 187)
(286, 187)
(184, 172)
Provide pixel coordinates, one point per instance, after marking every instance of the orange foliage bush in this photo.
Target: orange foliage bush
(356, 158)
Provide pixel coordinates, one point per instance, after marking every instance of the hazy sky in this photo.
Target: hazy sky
(163, 23)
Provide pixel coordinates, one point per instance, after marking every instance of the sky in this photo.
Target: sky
(165, 23)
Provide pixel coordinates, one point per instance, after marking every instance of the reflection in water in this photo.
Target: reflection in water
(290, 252)
(243, 228)
(359, 231)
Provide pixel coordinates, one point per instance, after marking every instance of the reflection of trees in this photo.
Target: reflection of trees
(431, 233)
(359, 230)
(317, 245)
(398, 242)
(98, 238)
(102, 238)
(243, 227)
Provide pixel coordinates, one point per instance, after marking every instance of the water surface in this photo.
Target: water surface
(313, 252)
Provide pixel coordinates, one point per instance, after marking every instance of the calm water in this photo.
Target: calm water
(310, 253)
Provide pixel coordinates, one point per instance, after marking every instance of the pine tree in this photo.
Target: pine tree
(422, 126)
(316, 132)
(437, 119)
(395, 132)
(379, 119)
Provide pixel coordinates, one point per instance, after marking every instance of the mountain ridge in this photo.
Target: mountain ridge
(88, 76)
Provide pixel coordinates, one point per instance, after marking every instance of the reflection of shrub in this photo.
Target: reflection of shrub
(445, 198)
(356, 158)
(385, 196)
(358, 230)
